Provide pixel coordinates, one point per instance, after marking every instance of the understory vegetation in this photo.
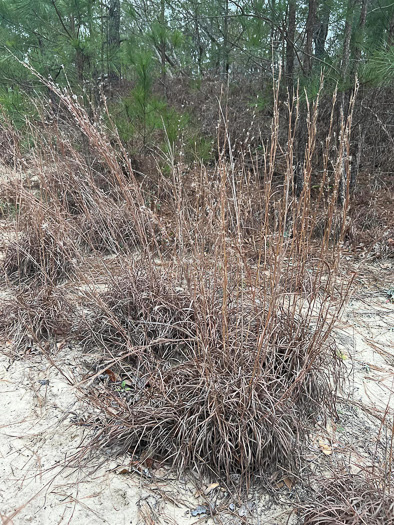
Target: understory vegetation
(188, 226)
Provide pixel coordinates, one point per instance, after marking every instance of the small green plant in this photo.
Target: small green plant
(145, 116)
(342, 355)
(124, 386)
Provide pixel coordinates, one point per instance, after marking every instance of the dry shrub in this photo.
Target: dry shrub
(351, 500)
(32, 317)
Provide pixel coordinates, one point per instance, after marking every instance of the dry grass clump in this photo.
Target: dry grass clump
(371, 225)
(9, 142)
(351, 500)
(36, 316)
(229, 387)
(140, 309)
(42, 249)
(8, 195)
(227, 356)
(90, 184)
(109, 229)
(209, 416)
(43, 253)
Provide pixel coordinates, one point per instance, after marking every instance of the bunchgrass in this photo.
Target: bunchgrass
(216, 308)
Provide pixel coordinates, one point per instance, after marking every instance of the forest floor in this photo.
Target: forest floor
(44, 481)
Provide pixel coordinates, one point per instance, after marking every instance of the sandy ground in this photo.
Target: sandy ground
(42, 484)
(40, 481)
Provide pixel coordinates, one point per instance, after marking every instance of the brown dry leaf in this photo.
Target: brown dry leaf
(210, 488)
(60, 345)
(123, 470)
(149, 462)
(283, 482)
(111, 375)
(288, 483)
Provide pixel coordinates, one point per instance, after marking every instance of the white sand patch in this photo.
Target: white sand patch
(37, 441)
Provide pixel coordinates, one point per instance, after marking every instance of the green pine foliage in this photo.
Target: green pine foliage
(131, 53)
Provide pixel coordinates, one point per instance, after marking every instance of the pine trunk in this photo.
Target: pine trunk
(113, 41)
(321, 33)
(302, 138)
(290, 36)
